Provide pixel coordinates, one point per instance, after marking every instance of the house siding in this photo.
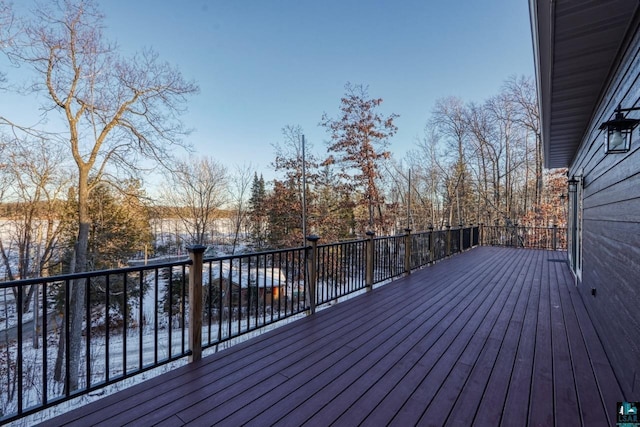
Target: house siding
(611, 226)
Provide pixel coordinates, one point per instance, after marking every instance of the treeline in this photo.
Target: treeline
(475, 163)
(76, 200)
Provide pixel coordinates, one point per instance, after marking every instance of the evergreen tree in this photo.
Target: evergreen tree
(283, 209)
(120, 224)
(332, 214)
(290, 159)
(257, 212)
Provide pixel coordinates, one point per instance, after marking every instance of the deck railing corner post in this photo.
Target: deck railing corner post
(312, 268)
(448, 250)
(196, 253)
(554, 236)
(431, 244)
(369, 261)
(407, 251)
(460, 237)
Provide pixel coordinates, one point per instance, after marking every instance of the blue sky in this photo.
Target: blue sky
(262, 65)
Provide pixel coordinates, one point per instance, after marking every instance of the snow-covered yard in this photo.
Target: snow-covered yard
(243, 295)
(151, 336)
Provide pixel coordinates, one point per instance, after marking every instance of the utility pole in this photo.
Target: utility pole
(409, 202)
(304, 195)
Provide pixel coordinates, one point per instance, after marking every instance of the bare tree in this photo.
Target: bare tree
(449, 120)
(492, 170)
(428, 177)
(6, 28)
(508, 138)
(34, 182)
(197, 190)
(522, 92)
(116, 111)
(489, 153)
(240, 191)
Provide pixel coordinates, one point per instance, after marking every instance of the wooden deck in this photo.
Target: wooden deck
(490, 337)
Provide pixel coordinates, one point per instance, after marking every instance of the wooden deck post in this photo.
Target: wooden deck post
(431, 244)
(554, 237)
(312, 268)
(480, 234)
(196, 253)
(407, 251)
(369, 262)
(461, 237)
(448, 248)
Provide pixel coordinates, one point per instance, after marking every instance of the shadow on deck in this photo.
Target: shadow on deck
(492, 336)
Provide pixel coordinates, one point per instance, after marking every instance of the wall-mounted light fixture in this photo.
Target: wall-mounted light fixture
(573, 185)
(618, 131)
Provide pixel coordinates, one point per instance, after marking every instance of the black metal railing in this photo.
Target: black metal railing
(388, 260)
(132, 320)
(139, 318)
(246, 292)
(421, 249)
(340, 270)
(517, 236)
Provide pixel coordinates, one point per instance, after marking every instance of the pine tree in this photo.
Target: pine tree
(283, 209)
(257, 212)
(332, 214)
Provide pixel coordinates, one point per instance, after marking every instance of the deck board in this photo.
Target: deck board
(494, 336)
(541, 408)
(452, 366)
(473, 368)
(488, 405)
(515, 408)
(564, 391)
(441, 339)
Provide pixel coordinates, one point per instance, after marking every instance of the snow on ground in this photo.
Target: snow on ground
(154, 341)
(34, 366)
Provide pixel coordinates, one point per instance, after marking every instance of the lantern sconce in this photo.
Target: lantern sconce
(618, 131)
(573, 185)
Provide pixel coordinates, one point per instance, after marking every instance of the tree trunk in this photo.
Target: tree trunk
(57, 372)
(77, 299)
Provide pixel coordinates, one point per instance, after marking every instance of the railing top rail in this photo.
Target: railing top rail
(343, 242)
(396, 236)
(540, 227)
(131, 269)
(253, 254)
(94, 273)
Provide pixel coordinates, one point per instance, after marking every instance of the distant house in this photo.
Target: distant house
(587, 57)
(270, 286)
